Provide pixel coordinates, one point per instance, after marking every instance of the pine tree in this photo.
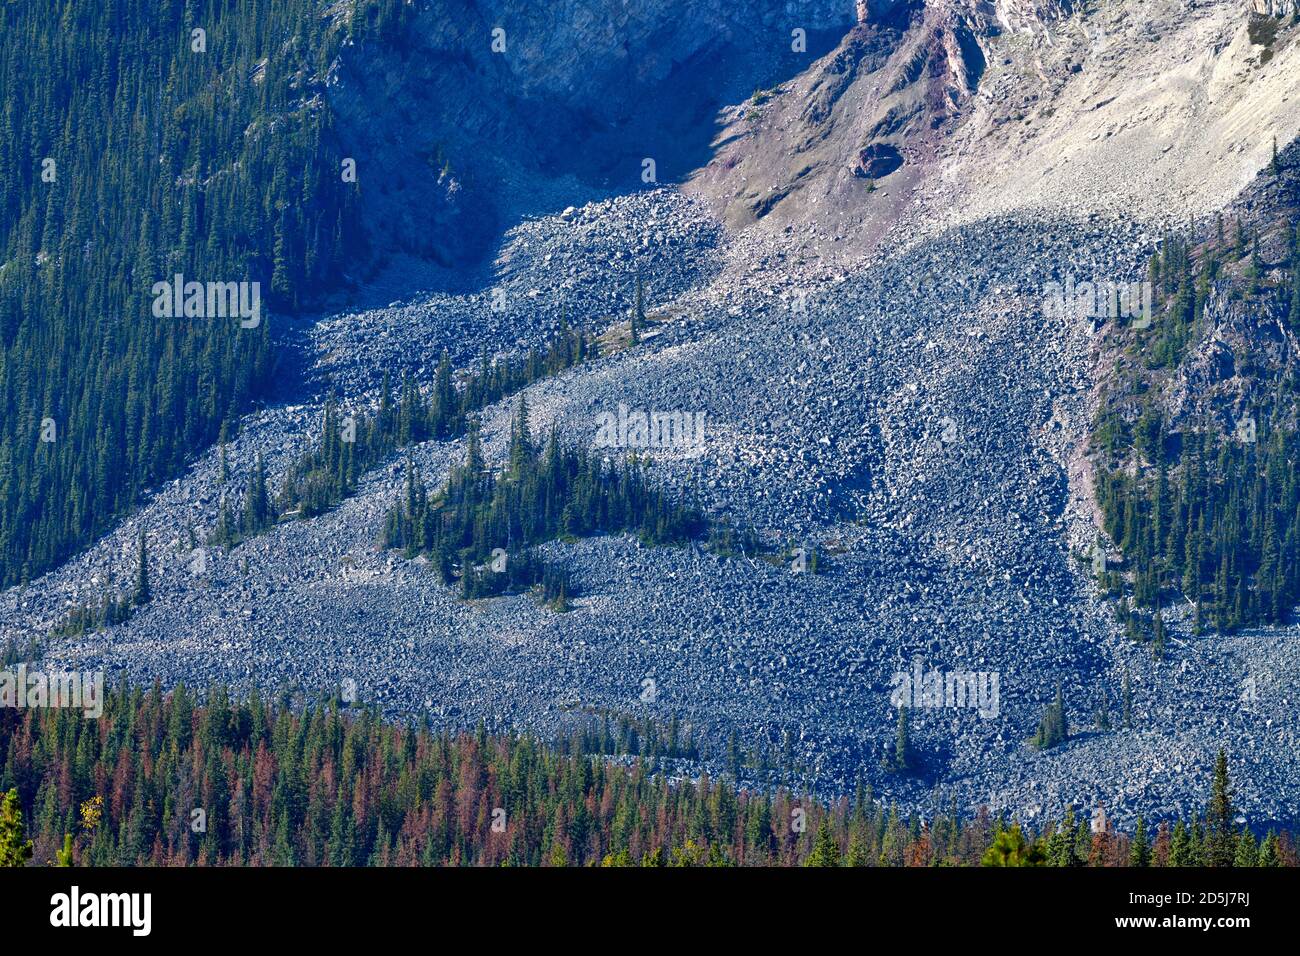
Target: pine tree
(1054, 728)
(257, 505)
(1268, 851)
(902, 758)
(1220, 837)
(15, 848)
(142, 594)
(521, 441)
(1247, 853)
(826, 851)
(1010, 848)
(859, 855)
(1158, 636)
(1140, 848)
(1180, 846)
(638, 310)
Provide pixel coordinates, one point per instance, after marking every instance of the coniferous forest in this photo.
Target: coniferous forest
(1207, 508)
(164, 779)
(164, 152)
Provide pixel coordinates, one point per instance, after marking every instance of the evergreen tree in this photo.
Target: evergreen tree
(638, 310)
(826, 851)
(1247, 853)
(257, 506)
(15, 848)
(1140, 848)
(142, 594)
(902, 760)
(1220, 837)
(1268, 851)
(1181, 852)
(1053, 729)
(1010, 848)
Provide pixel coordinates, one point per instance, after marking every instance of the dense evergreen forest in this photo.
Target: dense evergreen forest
(138, 141)
(162, 779)
(1210, 515)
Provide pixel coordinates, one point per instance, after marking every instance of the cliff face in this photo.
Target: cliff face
(470, 115)
(828, 117)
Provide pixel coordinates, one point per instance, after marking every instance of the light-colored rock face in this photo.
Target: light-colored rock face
(1149, 109)
(595, 53)
(1136, 105)
(1153, 110)
(1024, 15)
(1275, 8)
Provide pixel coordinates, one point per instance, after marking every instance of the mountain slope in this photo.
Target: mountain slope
(879, 372)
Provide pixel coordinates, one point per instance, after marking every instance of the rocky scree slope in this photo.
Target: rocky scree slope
(908, 406)
(914, 422)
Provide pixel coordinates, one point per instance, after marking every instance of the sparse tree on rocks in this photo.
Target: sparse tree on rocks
(638, 310)
(143, 593)
(1053, 729)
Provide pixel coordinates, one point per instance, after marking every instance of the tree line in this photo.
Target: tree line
(168, 779)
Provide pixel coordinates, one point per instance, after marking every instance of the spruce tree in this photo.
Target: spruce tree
(1268, 851)
(1054, 728)
(902, 758)
(15, 848)
(638, 310)
(1140, 849)
(142, 594)
(826, 851)
(1247, 853)
(1220, 838)
(257, 506)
